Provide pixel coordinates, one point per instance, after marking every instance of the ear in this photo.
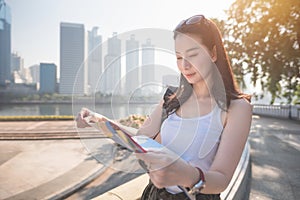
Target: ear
(213, 54)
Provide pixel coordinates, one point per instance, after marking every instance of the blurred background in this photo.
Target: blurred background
(116, 57)
(54, 50)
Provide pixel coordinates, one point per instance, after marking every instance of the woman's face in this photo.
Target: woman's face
(194, 60)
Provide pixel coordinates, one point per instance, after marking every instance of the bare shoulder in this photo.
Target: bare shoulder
(239, 118)
(240, 105)
(240, 109)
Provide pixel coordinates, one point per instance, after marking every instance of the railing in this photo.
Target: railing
(240, 184)
(281, 111)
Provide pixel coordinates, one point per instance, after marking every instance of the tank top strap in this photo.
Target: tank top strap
(214, 132)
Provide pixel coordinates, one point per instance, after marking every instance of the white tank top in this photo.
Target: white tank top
(195, 140)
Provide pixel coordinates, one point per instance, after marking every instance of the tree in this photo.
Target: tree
(263, 38)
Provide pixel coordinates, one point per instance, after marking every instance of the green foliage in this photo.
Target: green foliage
(263, 38)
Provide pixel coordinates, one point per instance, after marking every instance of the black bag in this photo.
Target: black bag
(153, 193)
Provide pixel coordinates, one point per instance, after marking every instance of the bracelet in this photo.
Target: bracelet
(196, 189)
(201, 174)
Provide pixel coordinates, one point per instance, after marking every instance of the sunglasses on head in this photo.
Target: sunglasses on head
(192, 20)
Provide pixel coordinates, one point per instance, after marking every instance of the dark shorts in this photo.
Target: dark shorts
(153, 193)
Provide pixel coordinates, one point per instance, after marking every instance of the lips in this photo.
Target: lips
(189, 75)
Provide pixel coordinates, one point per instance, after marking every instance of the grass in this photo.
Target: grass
(36, 118)
(132, 120)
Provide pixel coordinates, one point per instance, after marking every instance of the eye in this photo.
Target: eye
(193, 55)
(179, 58)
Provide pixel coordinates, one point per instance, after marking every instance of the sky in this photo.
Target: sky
(35, 23)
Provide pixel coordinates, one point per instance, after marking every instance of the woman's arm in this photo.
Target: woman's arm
(167, 169)
(231, 146)
(149, 128)
(152, 124)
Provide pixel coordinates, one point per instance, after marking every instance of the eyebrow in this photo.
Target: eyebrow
(191, 49)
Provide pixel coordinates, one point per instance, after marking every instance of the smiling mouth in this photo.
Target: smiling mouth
(190, 75)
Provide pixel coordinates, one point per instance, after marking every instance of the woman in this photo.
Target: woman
(207, 120)
(208, 104)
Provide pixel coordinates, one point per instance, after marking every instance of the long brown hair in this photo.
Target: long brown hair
(210, 36)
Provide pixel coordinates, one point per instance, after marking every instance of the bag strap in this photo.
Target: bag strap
(169, 92)
(164, 115)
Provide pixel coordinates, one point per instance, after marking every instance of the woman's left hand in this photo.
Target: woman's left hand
(168, 169)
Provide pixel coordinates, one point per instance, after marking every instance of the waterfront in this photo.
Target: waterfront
(114, 111)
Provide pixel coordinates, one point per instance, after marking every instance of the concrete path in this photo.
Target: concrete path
(275, 153)
(59, 163)
(32, 168)
(43, 169)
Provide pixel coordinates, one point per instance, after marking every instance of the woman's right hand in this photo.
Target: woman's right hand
(80, 121)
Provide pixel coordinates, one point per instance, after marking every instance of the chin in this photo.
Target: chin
(191, 81)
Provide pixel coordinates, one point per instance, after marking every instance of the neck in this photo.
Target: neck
(202, 89)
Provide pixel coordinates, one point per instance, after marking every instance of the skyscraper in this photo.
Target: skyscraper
(132, 65)
(112, 65)
(48, 78)
(17, 62)
(35, 73)
(72, 69)
(5, 43)
(148, 61)
(94, 59)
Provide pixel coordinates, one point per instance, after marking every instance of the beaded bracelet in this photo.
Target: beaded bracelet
(196, 189)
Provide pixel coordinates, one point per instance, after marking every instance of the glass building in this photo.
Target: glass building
(132, 77)
(148, 61)
(47, 78)
(5, 43)
(94, 59)
(72, 68)
(112, 66)
(17, 63)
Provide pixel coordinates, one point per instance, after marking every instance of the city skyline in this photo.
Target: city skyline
(74, 43)
(36, 21)
(138, 70)
(67, 72)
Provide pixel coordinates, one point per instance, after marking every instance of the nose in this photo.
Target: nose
(185, 64)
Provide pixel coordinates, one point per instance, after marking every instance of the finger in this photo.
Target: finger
(84, 112)
(80, 122)
(114, 126)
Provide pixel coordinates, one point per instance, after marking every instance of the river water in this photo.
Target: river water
(115, 111)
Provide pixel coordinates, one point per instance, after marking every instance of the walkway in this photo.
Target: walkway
(275, 153)
(43, 169)
(58, 164)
